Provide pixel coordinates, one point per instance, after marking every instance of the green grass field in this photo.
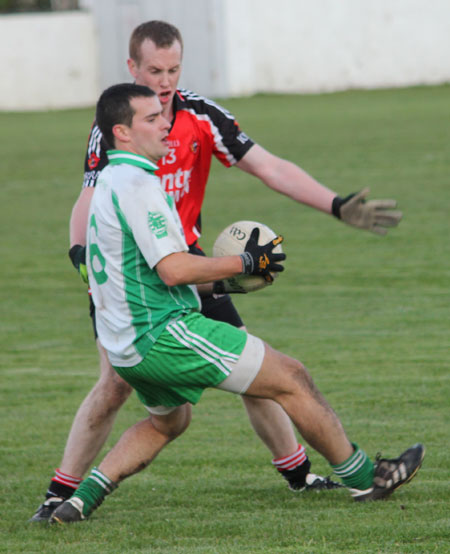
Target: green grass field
(368, 315)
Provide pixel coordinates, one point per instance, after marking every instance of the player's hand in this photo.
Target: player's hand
(78, 256)
(228, 286)
(260, 260)
(375, 215)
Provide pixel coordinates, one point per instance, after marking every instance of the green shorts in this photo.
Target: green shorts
(191, 354)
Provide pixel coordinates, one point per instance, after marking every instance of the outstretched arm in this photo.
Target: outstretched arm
(289, 179)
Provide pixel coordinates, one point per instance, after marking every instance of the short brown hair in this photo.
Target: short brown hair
(161, 33)
(114, 106)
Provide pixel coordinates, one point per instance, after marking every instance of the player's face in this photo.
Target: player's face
(159, 69)
(149, 129)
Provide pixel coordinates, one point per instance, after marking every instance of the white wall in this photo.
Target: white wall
(326, 45)
(232, 47)
(200, 23)
(238, 47)
(48, 61)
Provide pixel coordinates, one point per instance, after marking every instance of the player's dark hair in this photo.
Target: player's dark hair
(114, 106)
(161, 33)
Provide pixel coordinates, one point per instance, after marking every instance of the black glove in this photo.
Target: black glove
(260, 260)
(78, 256)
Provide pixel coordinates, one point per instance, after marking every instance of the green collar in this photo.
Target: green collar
(116, 157)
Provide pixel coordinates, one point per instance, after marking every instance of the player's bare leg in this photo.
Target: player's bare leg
(272, 425)
(134, 451)
(274, 428)
(90, 429)
(94, 418)
(141, 443)
(286, 381)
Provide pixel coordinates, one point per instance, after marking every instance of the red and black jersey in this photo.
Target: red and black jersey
(201, 129)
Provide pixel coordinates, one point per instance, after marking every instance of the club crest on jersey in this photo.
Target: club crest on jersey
(158, 224)
(194, 147)
(93, 161)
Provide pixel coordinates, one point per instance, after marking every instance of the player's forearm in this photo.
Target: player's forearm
(294, 182)
(182, 268)
(79, 217)
(287, 178)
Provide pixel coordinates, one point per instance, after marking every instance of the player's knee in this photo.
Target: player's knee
(175, 423)
(296, 374)
(112, 391)
(182, 422)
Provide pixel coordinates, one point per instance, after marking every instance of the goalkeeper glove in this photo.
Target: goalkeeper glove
(78, 256)
(375, 215)
(260, 260)
(228, 286)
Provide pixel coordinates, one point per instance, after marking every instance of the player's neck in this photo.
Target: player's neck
(168, 112)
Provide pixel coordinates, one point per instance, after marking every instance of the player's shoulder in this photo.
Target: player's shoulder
(188, 100)
(125, 176)
(95, 140)
(96, 146)
(128, 170)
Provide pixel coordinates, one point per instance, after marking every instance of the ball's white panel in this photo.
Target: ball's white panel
(232, 240)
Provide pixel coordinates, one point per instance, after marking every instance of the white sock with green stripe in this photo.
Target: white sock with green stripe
(357, 471)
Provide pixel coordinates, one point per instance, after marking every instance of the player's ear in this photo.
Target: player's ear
(121, 132)
(132, 67)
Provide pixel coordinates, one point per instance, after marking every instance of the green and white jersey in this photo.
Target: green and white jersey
(133, 224)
